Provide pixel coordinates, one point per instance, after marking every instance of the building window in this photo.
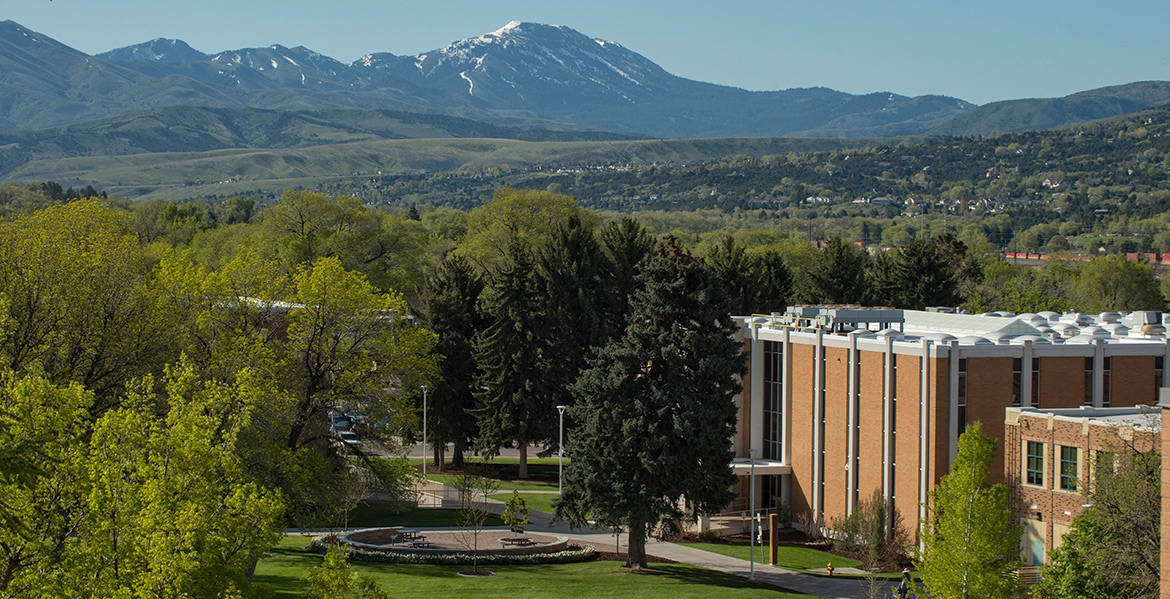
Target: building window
(1017, 377)
(1159, 365)
(962, 395)
(1034, 464)
(1088, 381)
(1103, 463)
(1035, 382)
(1068, 469)
(773, 400)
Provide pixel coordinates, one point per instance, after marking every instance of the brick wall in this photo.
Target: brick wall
(1056, 508)
(836, 431)
(1062, 382)
(989, 391)
(802, 446)
(909, 419)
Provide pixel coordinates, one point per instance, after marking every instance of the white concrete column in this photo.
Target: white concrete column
(755, 408)
(851, 427)
(1098, 373)
(786, 396)
(953, 425)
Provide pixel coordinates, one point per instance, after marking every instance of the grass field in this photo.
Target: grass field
(789, 557)
(534, 501)
(285, 570)
(505, 485)
(169, 175)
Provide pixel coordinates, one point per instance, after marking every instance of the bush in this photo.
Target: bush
(873, 533)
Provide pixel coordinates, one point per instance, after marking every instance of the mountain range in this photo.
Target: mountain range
(523, 75)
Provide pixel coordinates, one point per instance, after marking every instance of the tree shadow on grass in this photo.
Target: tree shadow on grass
(712, 578)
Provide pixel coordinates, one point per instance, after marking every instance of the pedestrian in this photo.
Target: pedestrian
(904, 585)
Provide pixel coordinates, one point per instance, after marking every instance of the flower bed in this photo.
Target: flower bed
(395, 555)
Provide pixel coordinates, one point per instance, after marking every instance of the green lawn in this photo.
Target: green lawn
(534, 501)
(378, 514)
(790, 557)
(505, 485)
(535, 465)
(284, 571)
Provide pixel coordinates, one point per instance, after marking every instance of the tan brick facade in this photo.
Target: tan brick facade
(885, 444)
(1048, 508)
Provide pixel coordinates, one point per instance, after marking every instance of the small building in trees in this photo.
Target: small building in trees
(840, 401)
(1053, 457)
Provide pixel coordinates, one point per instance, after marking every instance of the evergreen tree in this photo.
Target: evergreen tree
(754, 283)
(915, 276)
(656, 408)
(970, 546)
(838, 276)
(513, 394)
(626, 244)
(572, 289)
(453, 314)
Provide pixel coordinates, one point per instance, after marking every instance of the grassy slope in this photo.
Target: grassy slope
(166, 174)
(285, 572)
(790, 557)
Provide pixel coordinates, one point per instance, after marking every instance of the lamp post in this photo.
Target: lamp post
(424, 469)
(752, 513)
(561, 451)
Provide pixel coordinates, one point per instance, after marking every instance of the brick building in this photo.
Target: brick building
(840, 401)
(1052, 457)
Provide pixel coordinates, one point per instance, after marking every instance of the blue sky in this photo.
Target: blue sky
(980, 51)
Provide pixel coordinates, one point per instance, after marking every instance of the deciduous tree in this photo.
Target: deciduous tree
(1112, 549)
(970, 546)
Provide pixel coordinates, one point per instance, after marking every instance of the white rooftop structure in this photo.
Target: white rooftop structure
(1138, 417)
(944, 325)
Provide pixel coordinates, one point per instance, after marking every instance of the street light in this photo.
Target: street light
(424, 388)
(561, 451)
(752, 513)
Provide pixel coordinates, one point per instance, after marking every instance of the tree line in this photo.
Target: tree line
(169, 371)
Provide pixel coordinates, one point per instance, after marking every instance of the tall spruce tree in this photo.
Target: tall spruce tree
(915, 276)
(655, 408)
(837, 276)
(754, 282)
(512, 390)
(626, 245)
(453, 314)
(572, 289)
(969, 545)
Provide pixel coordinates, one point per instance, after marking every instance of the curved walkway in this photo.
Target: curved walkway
(831, 588)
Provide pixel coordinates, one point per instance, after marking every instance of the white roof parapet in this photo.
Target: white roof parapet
(967, 323)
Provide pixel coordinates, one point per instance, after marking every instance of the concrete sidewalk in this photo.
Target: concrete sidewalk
(604, 540)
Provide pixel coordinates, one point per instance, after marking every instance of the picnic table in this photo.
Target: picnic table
(422, 544)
